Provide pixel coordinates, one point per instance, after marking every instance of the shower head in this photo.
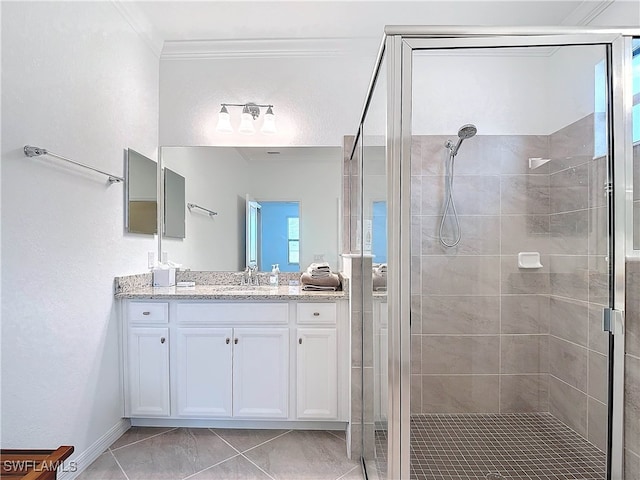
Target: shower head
(465, 131)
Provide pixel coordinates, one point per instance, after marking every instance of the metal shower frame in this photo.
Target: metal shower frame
(398, 45)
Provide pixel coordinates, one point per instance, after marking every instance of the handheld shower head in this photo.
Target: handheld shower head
(467, 131)
(464, 132)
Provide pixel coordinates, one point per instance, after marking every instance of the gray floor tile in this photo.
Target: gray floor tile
(354, 474)
(135, 434)
(173, 455)
(303, 455)
(237, 468)
(245, 439)
(104, 467)
(341, 434)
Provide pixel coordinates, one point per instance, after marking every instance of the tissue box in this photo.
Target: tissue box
(164, 277)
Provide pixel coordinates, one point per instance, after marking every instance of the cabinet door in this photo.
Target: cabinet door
(261, 372)
(204, 371)
(149, 371)
(317, 373)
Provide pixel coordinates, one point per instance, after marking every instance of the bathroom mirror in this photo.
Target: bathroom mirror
(141, 204)
(174, 204)
(220, 178)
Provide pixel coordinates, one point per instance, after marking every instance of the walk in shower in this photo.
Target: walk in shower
(489, 171)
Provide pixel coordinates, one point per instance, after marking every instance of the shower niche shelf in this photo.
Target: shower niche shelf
(529, 260)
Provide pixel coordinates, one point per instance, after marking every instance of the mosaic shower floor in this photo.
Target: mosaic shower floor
(532, 446)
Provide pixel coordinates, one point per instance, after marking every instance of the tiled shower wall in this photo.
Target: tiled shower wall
(486, 335)
(479, 324)
(632, 371)
(579, 282)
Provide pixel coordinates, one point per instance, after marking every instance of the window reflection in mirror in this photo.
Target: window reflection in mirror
(280, 236)
(141, 202)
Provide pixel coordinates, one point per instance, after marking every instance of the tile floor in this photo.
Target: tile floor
(532, 446)
(205, 454)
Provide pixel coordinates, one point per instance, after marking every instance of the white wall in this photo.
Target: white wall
(77, 80)
(317, 100)
(503, 95)
(215, 178)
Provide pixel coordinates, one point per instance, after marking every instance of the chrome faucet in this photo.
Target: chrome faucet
(250, 276)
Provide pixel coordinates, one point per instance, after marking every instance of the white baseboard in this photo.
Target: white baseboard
(81, 461)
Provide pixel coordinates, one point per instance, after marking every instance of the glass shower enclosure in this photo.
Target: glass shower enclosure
(490, 168)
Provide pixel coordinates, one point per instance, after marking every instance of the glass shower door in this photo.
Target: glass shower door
(509, 262)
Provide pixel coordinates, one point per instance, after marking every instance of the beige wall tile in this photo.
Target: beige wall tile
(460, 314)
(524, 194)
(460, 394)
(632, 404)
(597, 425)
(598, 376)
(443, 354)
(524, 354)
(568, 405)
(569, 319)
(524, 393)
(480, 235)
(524, 314)
(464, 275)
(568, 362)
(515, 280)
(524, 233)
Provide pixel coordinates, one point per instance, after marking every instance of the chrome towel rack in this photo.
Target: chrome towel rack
(31, 151)
(193, 205)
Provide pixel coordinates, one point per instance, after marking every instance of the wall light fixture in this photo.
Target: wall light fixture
(250, 113)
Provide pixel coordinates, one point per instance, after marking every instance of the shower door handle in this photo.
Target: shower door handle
(613, 321)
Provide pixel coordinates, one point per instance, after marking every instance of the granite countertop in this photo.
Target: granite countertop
(228, 292)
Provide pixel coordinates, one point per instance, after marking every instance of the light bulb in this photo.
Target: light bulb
(269, 124)
(246, 122)
(224, 121)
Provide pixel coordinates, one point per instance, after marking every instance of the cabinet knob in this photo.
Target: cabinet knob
(146, 313)
(227, 341)
(235, 341)
(162, 340)
(316, 314)
(300, 341)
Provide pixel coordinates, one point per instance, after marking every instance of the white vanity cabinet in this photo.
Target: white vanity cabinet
(317, 361)
(206, 362)
(261, 373)
(148, 360)
(232, 372)
(204, 372)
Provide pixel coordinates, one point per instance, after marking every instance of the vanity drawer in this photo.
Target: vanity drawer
(324, 313)
(245, 313)
(148, 312)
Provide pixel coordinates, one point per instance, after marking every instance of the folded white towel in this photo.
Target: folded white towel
(319, 270)
(318, 288)
(380, 269)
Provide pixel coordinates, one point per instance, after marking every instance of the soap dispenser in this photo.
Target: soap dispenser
(275, 273)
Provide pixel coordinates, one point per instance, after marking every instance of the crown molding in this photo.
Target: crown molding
(267, 48)
(586, 12)
(139, 23)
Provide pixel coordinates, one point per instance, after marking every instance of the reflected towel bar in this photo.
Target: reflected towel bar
(31, 151)
(193, 205)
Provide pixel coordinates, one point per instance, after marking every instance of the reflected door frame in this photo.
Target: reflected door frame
(252, 236)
